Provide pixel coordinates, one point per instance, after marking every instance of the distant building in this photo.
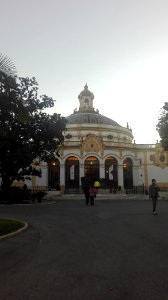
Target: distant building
(98, 147)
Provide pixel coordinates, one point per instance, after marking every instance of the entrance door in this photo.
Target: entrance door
(91, 168)
(72, 172)
(127, 173)
(54, 175)
(111, 175)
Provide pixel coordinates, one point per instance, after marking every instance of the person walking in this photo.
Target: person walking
(85, 187)
(154, 194)
(92, 193)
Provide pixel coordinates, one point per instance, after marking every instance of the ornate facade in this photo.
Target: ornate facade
(100, 148)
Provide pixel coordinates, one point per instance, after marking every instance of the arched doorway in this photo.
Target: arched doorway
(111, 172)
(127, 173)
(72, 172)
(91, 168)
(54, 174)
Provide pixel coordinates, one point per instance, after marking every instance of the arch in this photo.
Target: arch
(116, 156)
(54, 174)
(91, 154)
(111, 172)
(70, 155)
(91, 167)
(86, 101)
(128, 173)
(72, 172)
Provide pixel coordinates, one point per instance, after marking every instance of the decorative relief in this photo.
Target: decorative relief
(110, 137)
(160, 158)
(92, 143)
(68, 136)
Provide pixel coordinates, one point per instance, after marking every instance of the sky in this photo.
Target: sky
(118, 47)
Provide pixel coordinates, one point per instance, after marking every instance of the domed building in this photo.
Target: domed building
(100, 148)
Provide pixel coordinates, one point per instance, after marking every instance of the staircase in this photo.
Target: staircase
(73, 191)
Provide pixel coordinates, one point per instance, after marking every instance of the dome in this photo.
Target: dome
(90, 118)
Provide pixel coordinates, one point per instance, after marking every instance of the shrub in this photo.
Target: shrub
(38, 195)
(15, 195)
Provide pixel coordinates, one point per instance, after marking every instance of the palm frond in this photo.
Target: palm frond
(7, 66)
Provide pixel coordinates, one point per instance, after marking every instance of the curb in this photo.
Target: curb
(102, 197)
(15, 232)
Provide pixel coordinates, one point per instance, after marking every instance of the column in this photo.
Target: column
(81, 173)
(102, 170)
(62, 177)
(120, 177)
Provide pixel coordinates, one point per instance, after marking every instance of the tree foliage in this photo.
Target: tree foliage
(26, 131)
(6, 65)
(162, 126)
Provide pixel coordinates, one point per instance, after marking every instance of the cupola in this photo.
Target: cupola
(86, 100)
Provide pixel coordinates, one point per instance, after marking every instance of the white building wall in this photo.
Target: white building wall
(43, 180)
(161, 175)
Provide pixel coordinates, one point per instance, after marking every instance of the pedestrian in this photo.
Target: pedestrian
(92, 193)
(25, 187)
(97, 185)
(154, 194)
(85, 187)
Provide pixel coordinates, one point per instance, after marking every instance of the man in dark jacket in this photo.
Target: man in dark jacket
(85, 187)
(153, 194)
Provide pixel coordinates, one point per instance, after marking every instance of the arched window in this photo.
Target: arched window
(86, 101)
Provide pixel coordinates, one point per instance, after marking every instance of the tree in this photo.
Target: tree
(26, 131)
(6, 65)
(162, 126)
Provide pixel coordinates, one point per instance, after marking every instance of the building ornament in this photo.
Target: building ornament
(160, 158)
(92, 143)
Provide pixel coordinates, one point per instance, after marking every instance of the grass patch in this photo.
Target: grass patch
(8, 226)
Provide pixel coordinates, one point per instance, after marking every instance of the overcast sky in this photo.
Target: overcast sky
(118, 47)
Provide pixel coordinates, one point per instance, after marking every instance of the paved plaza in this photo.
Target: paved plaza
(114, 250)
